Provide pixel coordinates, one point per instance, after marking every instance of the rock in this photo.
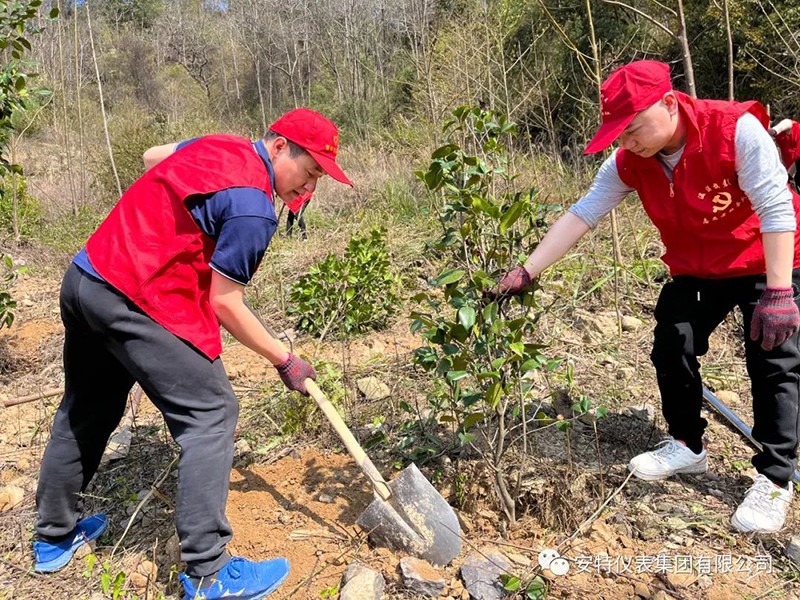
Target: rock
(519, 559)
(705, 582)
(172, 550)
(148, 569)
(325, 498)
(681, 579)
(373, 388)
(631, 323)
(361, 583)
(642, 411)
(138, 580)
(727, 397)
(792, 550)
(420, 578)
(10, 497)
(641, 590)
(242, 447)
(481, 576)
(119, 444)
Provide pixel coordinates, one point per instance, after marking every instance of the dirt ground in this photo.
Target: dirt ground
(299, 497)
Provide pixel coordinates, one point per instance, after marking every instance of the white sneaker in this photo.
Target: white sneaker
(670, 456)
(763, 509)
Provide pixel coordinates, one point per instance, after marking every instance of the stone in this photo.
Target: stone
(641, 590)
(642, 411)
(792, 550)
(361, 583)
(172, 550)
(631, 323)
(705, 582)
(678, 580)
(242, 447)
(373, 388)
(727, 397)
(481, 575)
(325, 498)
(11, 496)
(420, 578)
(119, 444)
(138, 580)
(148, 569)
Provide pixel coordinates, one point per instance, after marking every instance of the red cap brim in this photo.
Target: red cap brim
(608, 132)
(329, 165)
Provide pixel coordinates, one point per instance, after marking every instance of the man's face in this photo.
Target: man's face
(653, 129)
(294, 176)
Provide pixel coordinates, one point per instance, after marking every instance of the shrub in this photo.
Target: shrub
(347, 295)
(28, 211)
(480, 346)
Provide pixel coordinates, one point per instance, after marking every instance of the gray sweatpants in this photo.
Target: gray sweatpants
(109, 344)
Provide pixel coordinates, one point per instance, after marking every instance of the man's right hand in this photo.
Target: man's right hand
(512, 283)
(294, 371)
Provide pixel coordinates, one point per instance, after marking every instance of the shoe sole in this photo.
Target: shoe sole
(738, 526)
(56, 565)
(691, 470)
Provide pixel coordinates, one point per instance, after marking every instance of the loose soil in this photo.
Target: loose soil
(300, 497)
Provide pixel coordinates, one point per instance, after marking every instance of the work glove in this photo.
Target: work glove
(294, 371)
(775, 318)
(512, 283)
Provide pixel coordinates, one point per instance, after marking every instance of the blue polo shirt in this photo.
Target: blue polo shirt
(242, 221)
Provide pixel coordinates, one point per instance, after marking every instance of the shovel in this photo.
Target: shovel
(407, 514)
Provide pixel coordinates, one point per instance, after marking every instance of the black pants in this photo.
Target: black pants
(301, 221)
(109, 343)
(688, 310)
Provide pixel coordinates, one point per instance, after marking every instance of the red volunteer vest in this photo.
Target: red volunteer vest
(789, 145)
(150, 248)
(706, 221)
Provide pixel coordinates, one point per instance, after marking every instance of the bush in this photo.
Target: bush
(29, 210)
(479, 346)
(347, 295)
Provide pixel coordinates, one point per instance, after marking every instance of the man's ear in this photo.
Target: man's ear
(671, 102)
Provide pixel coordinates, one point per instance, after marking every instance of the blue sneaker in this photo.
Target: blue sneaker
(241, 579)
(52, 557)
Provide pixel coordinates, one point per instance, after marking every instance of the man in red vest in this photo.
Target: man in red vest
(710, 179)
(786, 134)
(144, 301)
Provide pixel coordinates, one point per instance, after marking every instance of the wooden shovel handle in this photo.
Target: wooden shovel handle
(353, 447)
(350, 442)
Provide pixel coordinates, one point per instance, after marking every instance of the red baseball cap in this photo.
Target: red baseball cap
(297, 202)
(625, 93)
(316, 135)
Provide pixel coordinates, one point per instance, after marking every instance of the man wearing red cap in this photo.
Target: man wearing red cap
(710, 179)
(786, 134)
(143, 301)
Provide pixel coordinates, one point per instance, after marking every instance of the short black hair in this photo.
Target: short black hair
(294, 149)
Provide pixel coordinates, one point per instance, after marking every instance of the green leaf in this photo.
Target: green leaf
(53, 12)
(511, 215)
(510, 583)
(449, 276)
(466, 316)
(456, 375)
(493, 394)
(517, 348)
(472, 420)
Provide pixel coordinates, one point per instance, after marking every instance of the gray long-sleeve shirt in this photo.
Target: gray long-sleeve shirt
(759, 171)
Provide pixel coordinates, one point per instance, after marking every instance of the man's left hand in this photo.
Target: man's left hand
(775, 318)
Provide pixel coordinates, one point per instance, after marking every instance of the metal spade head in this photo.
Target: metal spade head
(415, 519)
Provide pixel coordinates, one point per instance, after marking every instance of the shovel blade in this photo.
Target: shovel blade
(415, 519)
